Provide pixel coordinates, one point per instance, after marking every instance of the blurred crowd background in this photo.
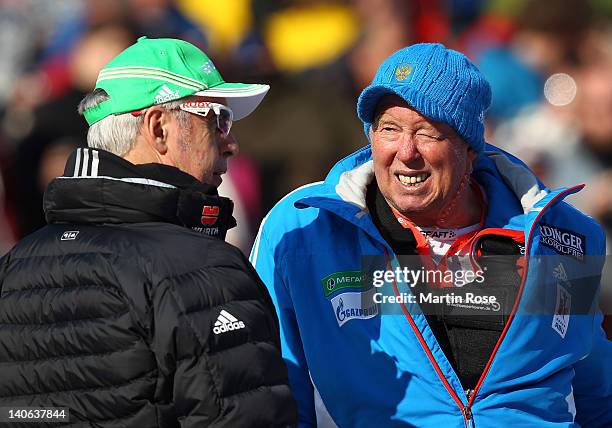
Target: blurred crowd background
(549, 63)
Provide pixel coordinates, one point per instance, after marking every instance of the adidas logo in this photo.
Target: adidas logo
(227, 322)
(166, 94)
(208, 67)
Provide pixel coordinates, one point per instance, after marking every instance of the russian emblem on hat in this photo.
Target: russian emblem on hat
(402, 72)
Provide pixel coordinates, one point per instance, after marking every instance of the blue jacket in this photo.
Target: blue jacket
(350, 366)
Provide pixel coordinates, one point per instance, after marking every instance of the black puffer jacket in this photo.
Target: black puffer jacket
(122, 313)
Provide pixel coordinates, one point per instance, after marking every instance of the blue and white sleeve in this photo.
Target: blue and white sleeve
(267, 260)
(593, 382)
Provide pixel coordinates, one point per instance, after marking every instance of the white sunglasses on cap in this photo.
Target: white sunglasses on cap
(225, 116)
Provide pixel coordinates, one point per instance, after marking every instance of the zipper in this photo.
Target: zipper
(466, 410)
(469, 418)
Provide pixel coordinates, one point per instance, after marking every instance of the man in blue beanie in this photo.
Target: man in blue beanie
(431, 279)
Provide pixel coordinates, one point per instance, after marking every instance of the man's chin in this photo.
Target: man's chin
(416, 212)
(216, 180)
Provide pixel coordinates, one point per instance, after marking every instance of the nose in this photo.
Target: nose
(229, 145)
(408, 150)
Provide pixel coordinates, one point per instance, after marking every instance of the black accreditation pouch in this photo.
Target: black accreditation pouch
(473, 324)
(486, 303)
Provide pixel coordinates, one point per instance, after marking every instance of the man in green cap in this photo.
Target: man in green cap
(129, 309)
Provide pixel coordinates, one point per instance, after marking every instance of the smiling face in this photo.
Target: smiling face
(420, 165)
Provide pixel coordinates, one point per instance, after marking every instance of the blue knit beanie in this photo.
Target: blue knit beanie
(439, 83)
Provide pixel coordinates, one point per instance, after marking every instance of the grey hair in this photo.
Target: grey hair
(117, 133)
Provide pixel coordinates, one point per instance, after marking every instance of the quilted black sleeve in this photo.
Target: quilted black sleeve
(216, 336)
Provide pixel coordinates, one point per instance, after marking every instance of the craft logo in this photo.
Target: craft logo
(402, 72)
(562, 241)
(341, 280)
(348, 306)
(210, 214)
(442, 234)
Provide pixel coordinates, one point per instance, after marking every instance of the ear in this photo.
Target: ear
(471, 158)
(155, 129)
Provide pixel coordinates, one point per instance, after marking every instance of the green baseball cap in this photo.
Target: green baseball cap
(155, 71)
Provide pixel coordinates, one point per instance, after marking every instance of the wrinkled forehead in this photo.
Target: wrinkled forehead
(390, 101)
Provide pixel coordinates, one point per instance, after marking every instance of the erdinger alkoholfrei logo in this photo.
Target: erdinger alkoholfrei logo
(210, 214)
(563, 241)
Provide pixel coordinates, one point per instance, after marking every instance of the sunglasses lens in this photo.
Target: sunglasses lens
(224, 121)
(224, 115)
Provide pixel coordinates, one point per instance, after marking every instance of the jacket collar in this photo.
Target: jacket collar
(99, 187)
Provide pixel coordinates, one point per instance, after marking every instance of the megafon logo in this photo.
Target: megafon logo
(340, 280)
(210, 214)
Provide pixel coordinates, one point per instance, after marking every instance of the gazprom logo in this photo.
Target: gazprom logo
(354, 305)
(340, 314)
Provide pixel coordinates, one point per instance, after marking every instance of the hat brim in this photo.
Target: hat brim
(370, 97)
(242, 98)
